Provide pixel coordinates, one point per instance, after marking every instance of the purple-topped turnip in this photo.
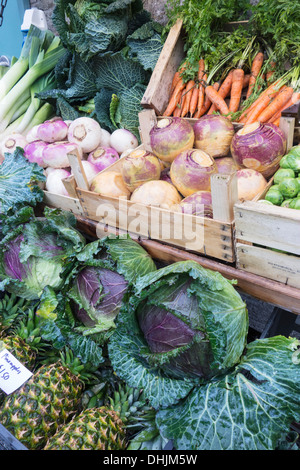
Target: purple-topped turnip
(213, 135)
(191, 171)
(260, 147)
(86, 133)
(103, 157)
(171, 136)
(137, 170)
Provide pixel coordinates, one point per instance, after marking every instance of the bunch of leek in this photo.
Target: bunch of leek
(31, 73)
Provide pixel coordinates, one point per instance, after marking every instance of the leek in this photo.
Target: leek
(46, 82)
(45, 112)
(43, 64)
(20, 66)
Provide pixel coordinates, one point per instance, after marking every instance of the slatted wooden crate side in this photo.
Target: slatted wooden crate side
(69, 203)
(158, 89)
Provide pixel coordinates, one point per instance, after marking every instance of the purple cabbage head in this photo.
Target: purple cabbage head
(97, 296)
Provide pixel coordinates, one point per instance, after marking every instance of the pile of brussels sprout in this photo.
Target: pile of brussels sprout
(285, 190)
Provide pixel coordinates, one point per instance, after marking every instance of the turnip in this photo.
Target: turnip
(85, 132)
(122, 139)
(56, 154)
(156, 193)
(102, 157)
(250, 183)
(138, 170)
(53, 130)
(191, 171)
(54, 183)
(110, 183)
(31, 136)
(213, 135)
(33, 151)
(11, 142)
(171, 136)
(105, 138)
(90, 170)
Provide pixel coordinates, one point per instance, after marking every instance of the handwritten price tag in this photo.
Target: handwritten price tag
(12, 373)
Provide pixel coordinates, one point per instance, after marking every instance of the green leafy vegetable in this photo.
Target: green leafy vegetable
(249, 409)
(19, 182)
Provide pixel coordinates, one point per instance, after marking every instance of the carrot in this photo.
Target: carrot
(277, 122)
(201, 69)
(206, 103)
(188, 96)
(215, 98)
(236, 89)
(175, 80)
(261, 102)
(255, 69)
(224, 90)
(295, 97)
(177, 111)
(283, 96)
(194, 101)
(246, 80)
(174, 98)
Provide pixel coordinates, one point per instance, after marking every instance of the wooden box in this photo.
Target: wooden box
(69, 203)
(268, 237)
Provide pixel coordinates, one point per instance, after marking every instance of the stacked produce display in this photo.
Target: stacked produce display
(126, 354)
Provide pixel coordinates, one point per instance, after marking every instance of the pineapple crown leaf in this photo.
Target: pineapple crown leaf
(11, 309)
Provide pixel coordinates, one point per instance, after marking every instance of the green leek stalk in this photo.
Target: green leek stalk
(20, 66)
(9, 118)
(44, 113)
(46, 82)
(43, 64)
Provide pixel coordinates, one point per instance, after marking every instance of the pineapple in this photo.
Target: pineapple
(45, 402)
(11, 308)
(103, 427)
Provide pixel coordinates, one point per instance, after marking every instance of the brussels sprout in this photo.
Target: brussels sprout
(286, 203)
(293, 161)
(295, 150)
(289, 187)
(283, 173)
(274, 196)
(295, 203)
(264, 201)
(283, 162)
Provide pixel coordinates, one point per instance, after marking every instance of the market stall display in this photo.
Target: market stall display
(164, 165)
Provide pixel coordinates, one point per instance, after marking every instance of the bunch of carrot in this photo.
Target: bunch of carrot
(198, 97)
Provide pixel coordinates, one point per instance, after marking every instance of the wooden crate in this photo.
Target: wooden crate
(212, 237)
(260, 231)
(69, 203)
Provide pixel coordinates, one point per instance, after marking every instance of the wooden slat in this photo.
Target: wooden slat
(270, 226)
(212, 237)
(157, 93)
(274, 265)
(63, 202)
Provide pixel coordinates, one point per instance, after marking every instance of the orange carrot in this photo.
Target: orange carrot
(194, 101)
(201, 96)
(283, 96)
(177, 111)
(175, 80)
(295, 97)
(236, 90)
(188, 96)
(263, 99)
(174, 98)
(223, 91)
(206, 102)
(246, 80)
(255, 69)
(277, 122)
(215, 98)
(201, 69)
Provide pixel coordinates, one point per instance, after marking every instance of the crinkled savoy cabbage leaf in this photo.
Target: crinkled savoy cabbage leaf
(249, 409)
(145, 45)
(18, 182)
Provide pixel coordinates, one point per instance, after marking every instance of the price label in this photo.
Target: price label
(12, 373)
